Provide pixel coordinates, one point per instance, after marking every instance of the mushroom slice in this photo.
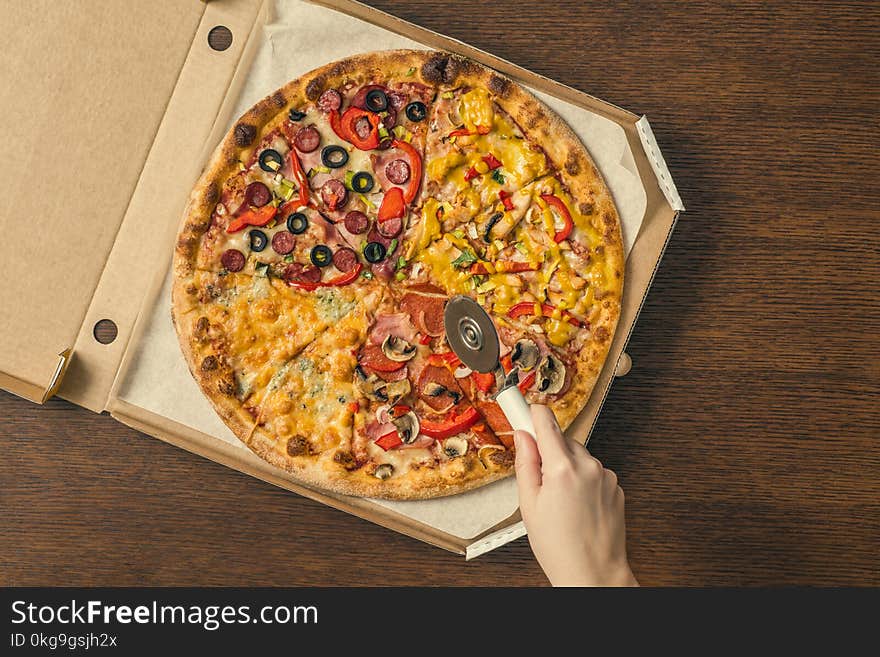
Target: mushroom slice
(398, 349)
(455, 446)
(383, 471)
(525, 354)
(370, 386)
(407, 427)
(434, 389)
(486, 451)
(396, 390)
(551, 375)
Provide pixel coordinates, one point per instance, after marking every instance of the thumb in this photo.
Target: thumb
(528, 465)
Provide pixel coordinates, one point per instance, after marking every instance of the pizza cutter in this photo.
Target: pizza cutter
(472, 335)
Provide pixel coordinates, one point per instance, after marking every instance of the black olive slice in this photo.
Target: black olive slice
(416, 111)
(334, 156)
(297, 223)
(258, 240)
(376, 100)
(296, 115)
(375, 252)
(321, 255)
(268, 157)
(494, 219)
(362, 182)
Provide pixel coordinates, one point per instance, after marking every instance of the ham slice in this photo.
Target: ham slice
(396, 324)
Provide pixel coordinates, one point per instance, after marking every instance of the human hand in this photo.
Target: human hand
(572, 508)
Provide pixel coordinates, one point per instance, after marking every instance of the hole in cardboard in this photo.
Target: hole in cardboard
(105, 331)
(220, 37)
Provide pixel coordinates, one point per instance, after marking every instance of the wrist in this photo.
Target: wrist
(617, 575)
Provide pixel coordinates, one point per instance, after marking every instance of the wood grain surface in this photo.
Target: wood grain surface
(746, 434)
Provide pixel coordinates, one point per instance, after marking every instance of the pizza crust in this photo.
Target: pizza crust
(443, 71)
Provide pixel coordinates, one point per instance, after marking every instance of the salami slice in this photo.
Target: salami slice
(397, 171)
(345, 259)
(390, 227)
(360, 98)
(283, 242)
(257, 194)
(334, 194)
(390, 120)
(299, 273)
(356, 222)
(307, 139)
(396, 100)
(330, 100)
(363, 127)
(233, 260)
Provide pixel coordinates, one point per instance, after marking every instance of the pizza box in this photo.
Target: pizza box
(137, 95)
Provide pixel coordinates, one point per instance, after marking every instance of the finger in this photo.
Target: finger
(528, 465)
(551, 443)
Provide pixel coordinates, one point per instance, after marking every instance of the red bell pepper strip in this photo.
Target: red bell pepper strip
(505, 199)
(527, 382)
(302, 180)
(353, 407)
(389, 441)
(346, 123)
(415, 168)
(400, 410)
(425, 339)
(556, 203)
(491, 161)
(252, 217)
(342, 279)
(447, 359)
(502, 267)
(471, 174)
(336, 124)
(528, 308)
(507, 363)
(464, 132)
(452, 425)
(484, 380)
(393, 205)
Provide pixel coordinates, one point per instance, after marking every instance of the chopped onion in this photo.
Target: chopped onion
(383, 410)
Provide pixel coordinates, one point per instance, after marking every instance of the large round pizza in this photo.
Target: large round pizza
(325, 236)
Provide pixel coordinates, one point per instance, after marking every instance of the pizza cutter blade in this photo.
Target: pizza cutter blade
(474, 339)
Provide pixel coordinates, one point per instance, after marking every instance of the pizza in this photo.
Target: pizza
(324, 238)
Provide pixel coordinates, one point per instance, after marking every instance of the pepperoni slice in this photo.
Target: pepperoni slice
(334, 194)
(426, 312)
(307, 139)
(372, 358)
(330, 100)
(299, 273)
(345, 259)
(257, 194)
(397, 375)
(439, 376)
(356, 222)
(233, 260)
(283, 242)
(397, 171)
(390, 227)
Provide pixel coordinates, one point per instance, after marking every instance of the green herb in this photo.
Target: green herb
(401, 262)
(411, 72)
(400, 275)
(465, 259)
(521, 248)
(367, 274)
(497, 177)
(479, 279)
(392, 245)
(261, 269)
(288, 258)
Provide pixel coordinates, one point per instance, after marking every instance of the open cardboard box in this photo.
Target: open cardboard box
(136, 98)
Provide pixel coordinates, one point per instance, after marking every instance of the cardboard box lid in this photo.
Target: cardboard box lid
(96, 110)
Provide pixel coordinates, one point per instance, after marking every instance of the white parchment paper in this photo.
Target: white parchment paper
(158, 379)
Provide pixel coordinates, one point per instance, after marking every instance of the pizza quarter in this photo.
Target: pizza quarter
(327, 232)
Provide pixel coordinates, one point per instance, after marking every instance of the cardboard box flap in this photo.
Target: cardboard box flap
(79, 124)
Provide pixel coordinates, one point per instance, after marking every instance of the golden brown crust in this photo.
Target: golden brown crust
(208, 364)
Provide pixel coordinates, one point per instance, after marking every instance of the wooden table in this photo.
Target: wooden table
(745, 435)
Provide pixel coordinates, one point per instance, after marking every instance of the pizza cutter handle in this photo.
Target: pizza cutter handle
(516, 408)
